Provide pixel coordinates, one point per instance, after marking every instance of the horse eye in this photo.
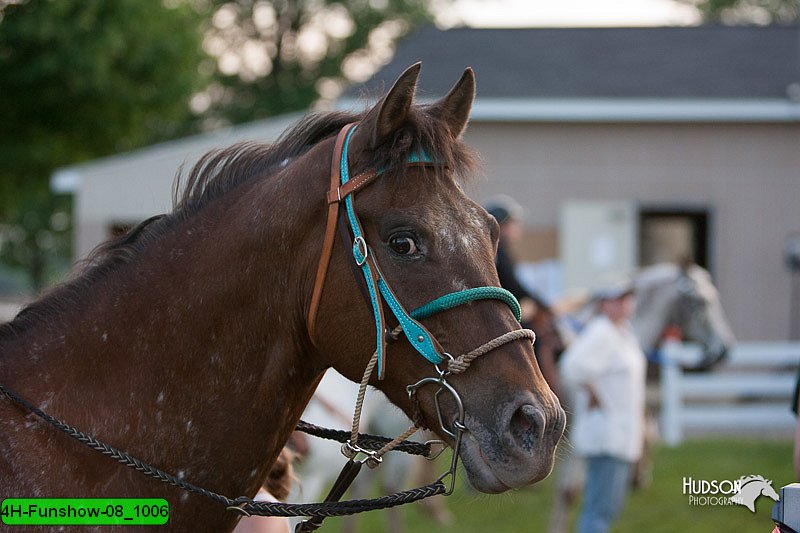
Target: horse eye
(403, 245)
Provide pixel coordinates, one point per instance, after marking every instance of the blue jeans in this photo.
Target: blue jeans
(607, 482)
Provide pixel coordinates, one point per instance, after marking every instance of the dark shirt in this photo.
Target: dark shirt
(508, 277)
(509, 281)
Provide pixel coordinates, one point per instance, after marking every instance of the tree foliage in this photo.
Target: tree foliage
(748, 11)
(80, 79)
(277, 56)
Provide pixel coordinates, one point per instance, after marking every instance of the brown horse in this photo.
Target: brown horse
(185, 342)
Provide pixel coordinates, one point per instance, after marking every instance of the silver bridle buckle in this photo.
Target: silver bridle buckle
(360, 246)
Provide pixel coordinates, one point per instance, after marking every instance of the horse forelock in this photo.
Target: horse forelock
(424, 132)
(455, 221)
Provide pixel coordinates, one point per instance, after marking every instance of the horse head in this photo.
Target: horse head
(685, 297)
(430, 239)
(700, 316)
(198, 337)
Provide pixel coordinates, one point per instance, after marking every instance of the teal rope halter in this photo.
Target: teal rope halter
(454, 299)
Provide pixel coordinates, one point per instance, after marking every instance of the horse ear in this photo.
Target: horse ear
(390, 113)
(455, 107)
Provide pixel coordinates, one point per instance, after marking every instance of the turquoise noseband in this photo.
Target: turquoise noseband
(378, 289)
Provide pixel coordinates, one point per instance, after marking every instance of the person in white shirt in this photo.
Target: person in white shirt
(604, 367)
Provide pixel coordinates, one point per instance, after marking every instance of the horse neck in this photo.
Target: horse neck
(190, 343)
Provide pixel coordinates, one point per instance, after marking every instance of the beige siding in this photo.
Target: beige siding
(747, 175)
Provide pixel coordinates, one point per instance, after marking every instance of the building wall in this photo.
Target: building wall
(131, 187)
(748, 175)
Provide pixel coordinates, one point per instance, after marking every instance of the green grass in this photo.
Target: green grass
(662, 507)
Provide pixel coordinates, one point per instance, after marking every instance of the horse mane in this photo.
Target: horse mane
(221, 171)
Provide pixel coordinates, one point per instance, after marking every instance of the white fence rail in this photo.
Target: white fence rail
(750, 392)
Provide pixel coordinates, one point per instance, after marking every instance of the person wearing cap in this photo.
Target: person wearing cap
(536, 314)
(508, 214)
(604, 368)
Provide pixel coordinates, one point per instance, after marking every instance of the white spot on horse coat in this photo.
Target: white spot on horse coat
(46, 403)
(460, 285)
(160, 398)
(456, 233)
(105, 336)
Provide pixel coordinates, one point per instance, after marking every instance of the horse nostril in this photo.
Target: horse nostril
(527, 425)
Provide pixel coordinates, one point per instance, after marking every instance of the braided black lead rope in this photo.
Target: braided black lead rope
(366, 441)
(114, 453)
(243, 503)
(347, 507)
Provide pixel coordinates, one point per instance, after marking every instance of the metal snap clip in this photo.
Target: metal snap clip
(348, 450)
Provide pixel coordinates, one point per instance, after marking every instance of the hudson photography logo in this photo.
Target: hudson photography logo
(743, 491)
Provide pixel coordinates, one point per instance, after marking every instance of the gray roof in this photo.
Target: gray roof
(726, 62)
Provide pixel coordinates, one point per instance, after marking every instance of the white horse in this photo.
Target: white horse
(684, 297)
(670, 298)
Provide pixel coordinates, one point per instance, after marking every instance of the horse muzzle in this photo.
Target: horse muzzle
(514, 446)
